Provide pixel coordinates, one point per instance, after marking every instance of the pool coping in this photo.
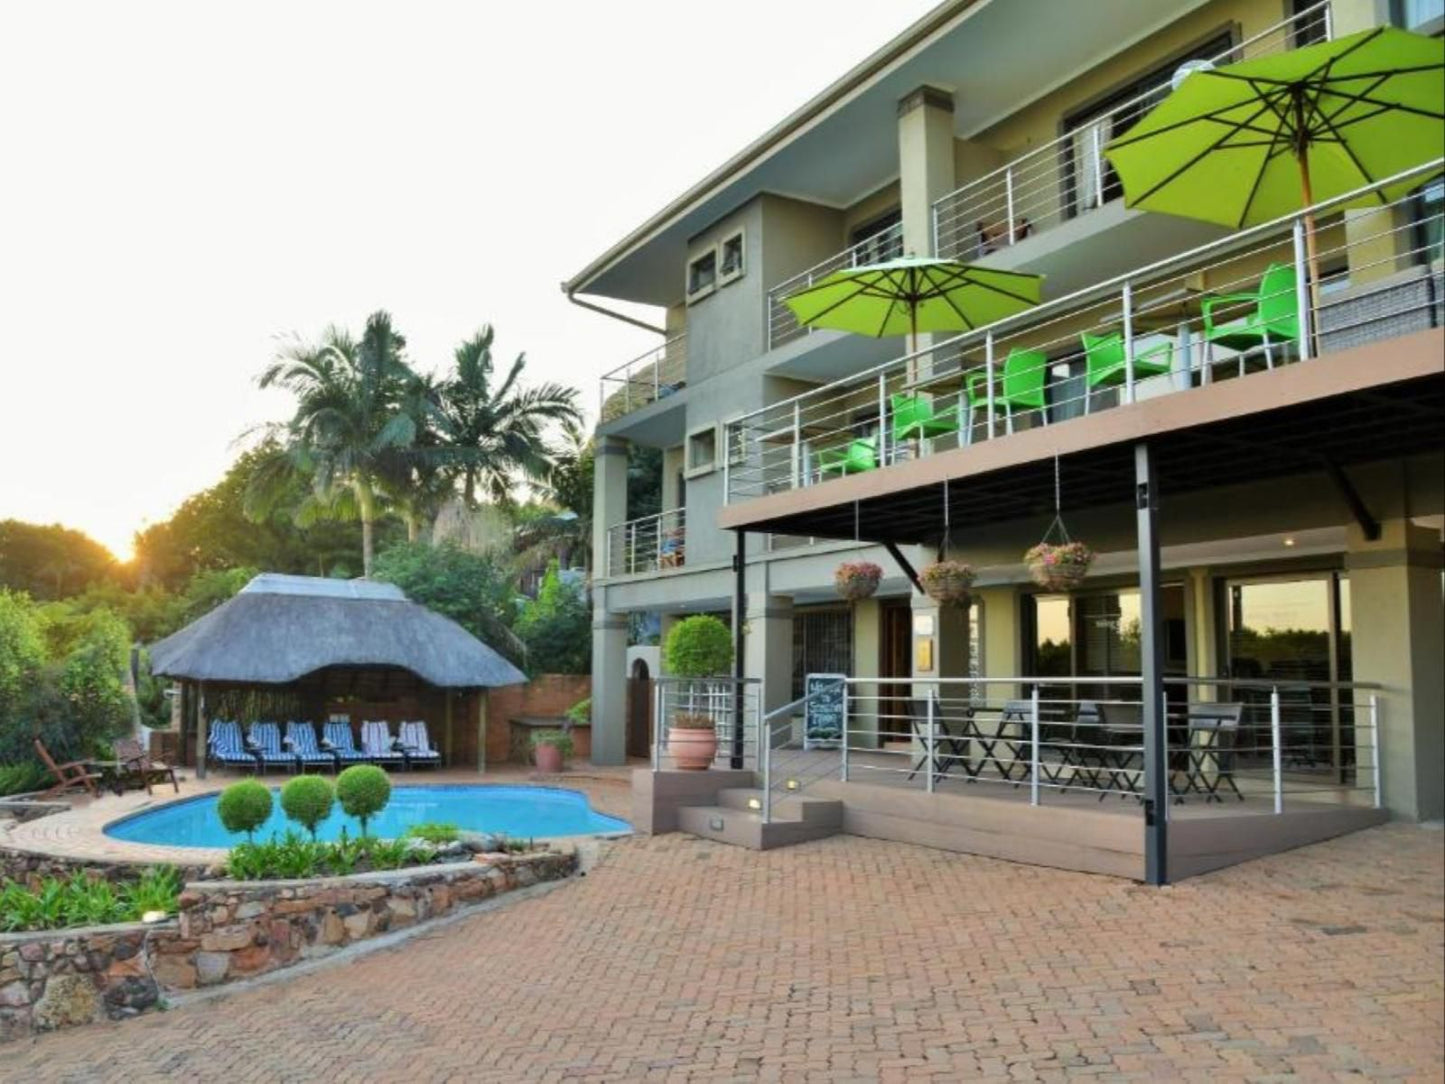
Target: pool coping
(79, 833)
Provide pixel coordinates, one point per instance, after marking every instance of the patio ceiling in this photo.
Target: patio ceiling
(1316, 437)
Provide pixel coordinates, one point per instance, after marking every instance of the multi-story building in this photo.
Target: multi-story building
(1297, 479)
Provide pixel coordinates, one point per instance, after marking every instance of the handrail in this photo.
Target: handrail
(645, 355)
(1299, 18)
(1059, 304)
(765, 752)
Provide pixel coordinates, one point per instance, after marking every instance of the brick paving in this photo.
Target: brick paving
(853, 959)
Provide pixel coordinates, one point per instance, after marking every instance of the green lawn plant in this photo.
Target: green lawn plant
(433, 832)
(363, 790)
(244, 807)
(307, 800)
(80, 900)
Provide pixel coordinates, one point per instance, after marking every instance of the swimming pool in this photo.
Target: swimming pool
(519, 812)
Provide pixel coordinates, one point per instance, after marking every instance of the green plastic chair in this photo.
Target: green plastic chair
(914, 418)
(1105, 363)
(1024, 374)
(855, 457)
(1274, 320)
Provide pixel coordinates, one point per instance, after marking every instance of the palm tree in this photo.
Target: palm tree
(353, 418)
(490, 434)
(566, 527)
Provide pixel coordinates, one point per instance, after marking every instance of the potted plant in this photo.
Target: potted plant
(857, 579)
(550, 750)
(698, 647)
(1059, 566)
(948, 582)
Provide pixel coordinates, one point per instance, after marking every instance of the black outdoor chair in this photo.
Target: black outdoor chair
(950, 740)
(1213, 729)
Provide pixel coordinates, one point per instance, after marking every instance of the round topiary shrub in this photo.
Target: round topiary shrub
(307, 800)
(699, 646)
(244, 806)
(363, 791)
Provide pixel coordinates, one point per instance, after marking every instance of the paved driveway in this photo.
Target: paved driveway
(853, 959)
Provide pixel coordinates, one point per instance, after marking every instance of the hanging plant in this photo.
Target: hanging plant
(857, 579)
(1059, 566)
(948, 582)
(1058, 563)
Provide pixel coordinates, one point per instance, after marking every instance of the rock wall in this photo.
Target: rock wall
(30, 868)
(230, 930)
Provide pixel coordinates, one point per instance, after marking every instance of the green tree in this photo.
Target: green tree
(561, 528)
(22, 657)
(353, 414)
(557, 628)
(487, 434)
(474, 590)
(51, 561)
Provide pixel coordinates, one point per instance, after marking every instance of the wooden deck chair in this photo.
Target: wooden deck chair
(134, 760)
(69, 776)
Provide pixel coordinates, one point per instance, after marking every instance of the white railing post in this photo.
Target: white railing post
(1302, 292)
(1128, 301)
(843, 766)
(657, 555)
(1096, 139)
(1329, 22)
(883, 419)
(632, 547)
(1275, 752)
(1008, 202)
(1375, 752)
(988, 380)
(727, 471)
(607, 552)
(765, 737)
(931, 746)
(657, 359)
(797, 444)
(1034, 746)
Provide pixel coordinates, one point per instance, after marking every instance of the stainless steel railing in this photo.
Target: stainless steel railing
(1060, 180)
(645, 379)
(733, 705)
(1160, 329)
(656, 543)
(880, 247)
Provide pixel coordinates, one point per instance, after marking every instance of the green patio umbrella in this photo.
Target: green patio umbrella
(913, 294)
(1253, 141)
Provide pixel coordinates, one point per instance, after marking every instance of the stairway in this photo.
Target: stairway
(796, 819)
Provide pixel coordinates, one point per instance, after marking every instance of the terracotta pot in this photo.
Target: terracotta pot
(548, 758)
(692, 749)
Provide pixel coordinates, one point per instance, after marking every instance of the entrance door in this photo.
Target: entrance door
(639, 710)
(1292, 634)
(895, 662)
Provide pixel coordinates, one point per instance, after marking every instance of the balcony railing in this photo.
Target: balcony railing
(1051, 184)
(1239, 746)
(783, 327)
(651, 544)
(1222, 311)
(645, 379)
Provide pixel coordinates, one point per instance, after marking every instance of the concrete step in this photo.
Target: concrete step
(744, 828)
(786, 807)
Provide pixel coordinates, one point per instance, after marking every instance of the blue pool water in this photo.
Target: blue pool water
(519, 812)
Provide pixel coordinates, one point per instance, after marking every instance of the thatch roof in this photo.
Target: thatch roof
(280, 628)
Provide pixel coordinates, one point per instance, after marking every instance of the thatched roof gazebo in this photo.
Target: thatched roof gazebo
(326, 647)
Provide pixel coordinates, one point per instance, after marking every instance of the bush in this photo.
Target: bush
(557, 739)
(307, 800)
(581, 712)
(363, 791)
(697, 647)
(435, 833)
(244, 806)
(82, 901)
(22, 778)
(557, 627)
(474, 591)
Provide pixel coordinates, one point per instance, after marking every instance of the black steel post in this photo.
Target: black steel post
(740, 613)
(1151, 651)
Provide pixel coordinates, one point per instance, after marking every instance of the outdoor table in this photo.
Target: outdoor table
(990, 729)
(112, 773)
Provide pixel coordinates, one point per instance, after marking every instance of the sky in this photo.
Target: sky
(182, 185)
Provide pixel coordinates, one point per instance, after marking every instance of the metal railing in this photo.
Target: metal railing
(656, 543)
(732, 705)
(645, 379)
(789, 765)
(1247, 745)
(783, 326)
(1239, 305)
(1062, 179)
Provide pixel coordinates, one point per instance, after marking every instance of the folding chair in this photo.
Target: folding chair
(1212, 732)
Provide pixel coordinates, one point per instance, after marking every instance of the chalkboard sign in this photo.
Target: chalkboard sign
(823, 719)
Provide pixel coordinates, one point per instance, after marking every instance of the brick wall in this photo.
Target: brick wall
(546, 696)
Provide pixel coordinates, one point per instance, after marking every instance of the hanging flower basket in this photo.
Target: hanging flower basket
(857, 579)
(948, 582)
(1059, 566)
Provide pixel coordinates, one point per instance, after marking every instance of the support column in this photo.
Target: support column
(1203, 635)
(1397, 639)
(609, 501)
(867, 654)
(199, 697)
(768, 646)
(1151, 656)
(740, 661)
(925, 162)
(609, 683)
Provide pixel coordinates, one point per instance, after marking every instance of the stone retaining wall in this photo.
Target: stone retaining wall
(232, 930)
(31, 867)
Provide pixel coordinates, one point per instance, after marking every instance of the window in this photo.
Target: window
(701, 451)
(1421, 16)
(1089, 180)
(878, 240)
(701, 275)
(731, 264)
(1307, 29)
(822, 644)
(737, 445)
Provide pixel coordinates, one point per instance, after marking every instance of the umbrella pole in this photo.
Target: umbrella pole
(1311, 256)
